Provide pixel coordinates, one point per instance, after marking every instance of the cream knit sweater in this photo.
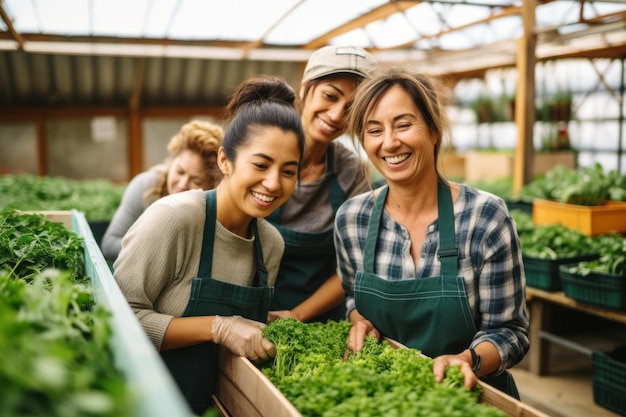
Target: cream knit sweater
(161, 255)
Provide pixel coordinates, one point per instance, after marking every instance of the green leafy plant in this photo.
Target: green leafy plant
(29, 243)
(502, 187)
(483, 109)
(555, 137)
(489, 109)
(314, 371)
(555, 241)
(523, 221)
(612, 260)
(589, 186)
(556, 107)
(55, 358)
(97, 199)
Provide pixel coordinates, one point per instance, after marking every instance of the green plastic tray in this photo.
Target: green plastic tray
(609, 382)
(544, 273)
(598, 289)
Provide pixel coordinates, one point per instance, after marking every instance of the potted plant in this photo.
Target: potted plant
(555, 138)
(484, 109)
(490, 109)
(587, 199)
(601, 281)
(557, 107)
(546, 247)
(560, 106)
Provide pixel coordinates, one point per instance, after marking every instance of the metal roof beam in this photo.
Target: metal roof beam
(509, 11)
(259, 42)
(14, 33)
(379, 13)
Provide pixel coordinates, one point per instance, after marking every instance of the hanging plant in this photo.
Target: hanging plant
(484, 109)
(556, 108)
(489, 110)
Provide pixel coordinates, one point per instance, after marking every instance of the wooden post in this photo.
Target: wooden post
(135, 144)
(539, 352)
(42, 147)
(525, 100)
(135, 131)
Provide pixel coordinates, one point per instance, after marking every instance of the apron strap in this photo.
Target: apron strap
(206, 256)
(372, 231)
(260, 278)
(335, 193)
(274, 217)
(448, 252)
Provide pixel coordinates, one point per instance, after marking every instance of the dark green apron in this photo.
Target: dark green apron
(309, 258)
(432, 313)
(194, 368)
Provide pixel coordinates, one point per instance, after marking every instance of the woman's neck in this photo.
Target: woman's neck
(314, 162)
(414, 198)
(230, 216)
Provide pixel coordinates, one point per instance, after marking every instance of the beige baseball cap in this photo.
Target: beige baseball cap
(339, 59)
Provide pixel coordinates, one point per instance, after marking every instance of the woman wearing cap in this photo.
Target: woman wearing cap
(308, 287)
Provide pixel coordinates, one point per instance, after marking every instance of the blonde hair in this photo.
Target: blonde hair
(200, 137)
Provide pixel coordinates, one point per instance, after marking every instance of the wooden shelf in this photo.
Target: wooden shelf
(542, 308)
(561, 299)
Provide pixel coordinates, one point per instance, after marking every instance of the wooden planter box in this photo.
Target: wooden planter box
(487, 165)
(243, 391)
(155, 392)
(492, 165)
(453, 164)
(590, 220)
(545, 161)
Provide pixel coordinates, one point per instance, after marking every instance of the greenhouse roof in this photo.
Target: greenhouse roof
(187, 39)
(279, 30)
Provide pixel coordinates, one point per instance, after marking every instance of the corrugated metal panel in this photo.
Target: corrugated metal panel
(41, 80)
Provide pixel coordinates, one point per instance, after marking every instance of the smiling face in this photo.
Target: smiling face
(396, 139)
(262, 177)
(187, 171)
(324, 107)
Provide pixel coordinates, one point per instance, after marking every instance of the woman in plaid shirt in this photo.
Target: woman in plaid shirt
(432, 264)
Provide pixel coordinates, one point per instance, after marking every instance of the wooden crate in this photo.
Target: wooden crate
(546, 161)
(453, 164)
(150, 382)
(58, 216)
(590, 220)
(487, 165)
(243, 391)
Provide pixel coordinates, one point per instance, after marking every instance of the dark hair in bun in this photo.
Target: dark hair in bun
(261, 101)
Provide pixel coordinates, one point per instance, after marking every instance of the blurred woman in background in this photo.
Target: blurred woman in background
(191, 164)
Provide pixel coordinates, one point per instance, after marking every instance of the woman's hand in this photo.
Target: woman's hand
(361, 327)
(464, 362)
(280, 314)
(243, 337)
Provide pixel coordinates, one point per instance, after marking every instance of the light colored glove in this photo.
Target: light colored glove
(243, 337)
